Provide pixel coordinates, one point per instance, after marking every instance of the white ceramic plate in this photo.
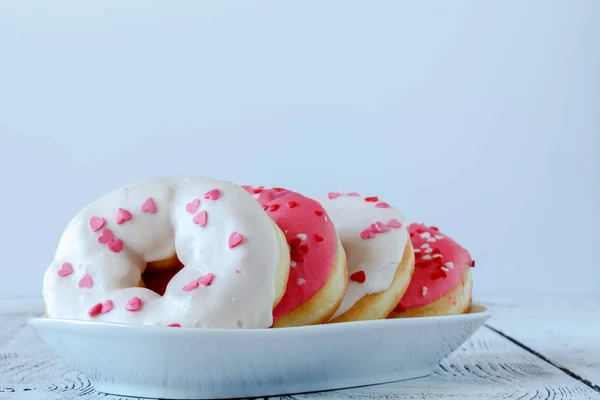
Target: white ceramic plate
(180, 363)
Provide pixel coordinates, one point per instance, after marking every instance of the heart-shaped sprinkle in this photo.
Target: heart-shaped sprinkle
(318, 238)
(106, 236)
(333, 195)
(115, 245)
(372, 199)
(379, 227)
(206, 280)
(96, 223)
(353, 194)
(212, 194)
(201, 218)
(367, 234)
(318, 213)
(394, 223)
(86, 282)
(265, 207)
(122, 216)
(257, 191)
(95, 310)
(295, 242)
(65, 270)
(149, 206)
(107, 306)
(303, 248)
(358, 276)
(400, 308)
(273, 207)
(437, 275)
(297, 257)
(235, 239)
(279, 190)
(192, 206)
(174, 325)
(292, 204)
(382, 204)
(134, 304)
(191, 286)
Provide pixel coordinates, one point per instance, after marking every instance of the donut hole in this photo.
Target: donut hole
(158, 274)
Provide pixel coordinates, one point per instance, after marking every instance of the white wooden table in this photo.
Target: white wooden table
(532, 348)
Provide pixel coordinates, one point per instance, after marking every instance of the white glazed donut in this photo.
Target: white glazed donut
(236, 259)
(380, 256)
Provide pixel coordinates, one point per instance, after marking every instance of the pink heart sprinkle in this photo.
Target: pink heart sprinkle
(353, 194)
(95, 310)
(333, 195)
(65, 270)
(107, 306)
(106, 236)
(206, 280)
(235, 239)
(86, 282)
(115, 245)
(149, 206)
(212, 194)
(192, 206)
(174, 325)
(134, 304)
(394, 223)
(96, 223)
(123, 216)
(200, 218)
(382, 204)
(379, 227)
(191, 286)
(367, 234)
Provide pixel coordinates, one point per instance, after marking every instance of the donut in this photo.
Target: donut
(441, 283)
(380, 256)
(318, 274)
(234, 259)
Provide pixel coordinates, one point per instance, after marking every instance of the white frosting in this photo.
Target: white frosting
(233, 299)
(378, 256)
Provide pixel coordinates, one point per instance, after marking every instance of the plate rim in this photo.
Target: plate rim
(482, 312)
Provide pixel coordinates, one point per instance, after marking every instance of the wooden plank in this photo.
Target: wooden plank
(564, 331)
(488, 366)
(28, 367)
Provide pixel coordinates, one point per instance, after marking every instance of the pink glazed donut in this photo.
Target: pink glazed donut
(441, 283)
(318, 275)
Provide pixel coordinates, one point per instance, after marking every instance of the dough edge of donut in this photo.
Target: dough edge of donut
(313, 311)
(443, 305)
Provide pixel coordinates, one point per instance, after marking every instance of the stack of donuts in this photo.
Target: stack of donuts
(197, 252)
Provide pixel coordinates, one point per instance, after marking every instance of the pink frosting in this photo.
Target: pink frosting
(439, 263)
(312, 241)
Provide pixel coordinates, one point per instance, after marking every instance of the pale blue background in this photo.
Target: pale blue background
(481, 117)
